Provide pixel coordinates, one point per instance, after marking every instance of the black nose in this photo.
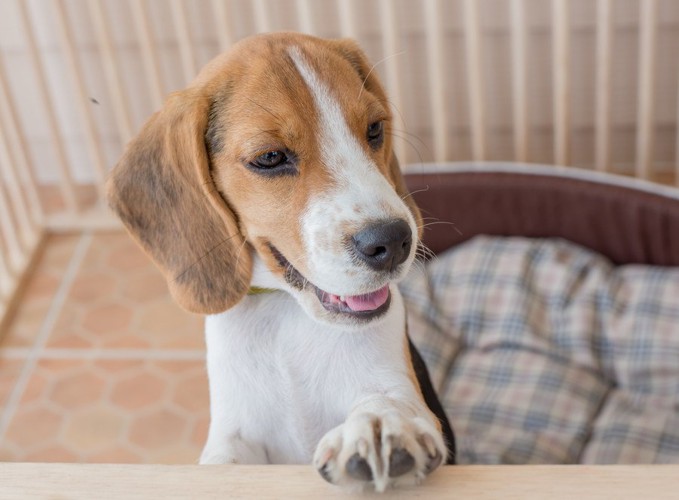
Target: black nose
(384, 245)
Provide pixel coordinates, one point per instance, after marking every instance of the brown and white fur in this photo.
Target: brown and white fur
(274, 169)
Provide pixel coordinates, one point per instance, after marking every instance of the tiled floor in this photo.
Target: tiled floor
(98, 364)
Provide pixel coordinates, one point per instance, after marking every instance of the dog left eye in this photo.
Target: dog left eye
(375, 134)
(269, 160)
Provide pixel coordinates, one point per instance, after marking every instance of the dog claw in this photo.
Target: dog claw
(433, 462)
(358, 468)
(325, 473)
(434, 457)
(400, 462)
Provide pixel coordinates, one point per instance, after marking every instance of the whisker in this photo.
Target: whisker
(265, 109)
(390, 104)
(206, 254)
(240, 251)
(457, 230)
(415, 192)
(416, 148)
(373, 67)
(427, 253)
(410, 143)
(410, 134)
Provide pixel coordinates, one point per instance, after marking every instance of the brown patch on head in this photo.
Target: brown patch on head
(184, 187)
(269, 109)
(361, 96)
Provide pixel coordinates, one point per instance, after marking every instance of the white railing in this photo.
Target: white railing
(589, 83)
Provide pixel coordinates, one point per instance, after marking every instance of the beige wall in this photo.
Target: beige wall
(206, 23)
(79, 77)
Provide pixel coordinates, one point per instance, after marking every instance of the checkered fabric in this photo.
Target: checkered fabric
(544, 352)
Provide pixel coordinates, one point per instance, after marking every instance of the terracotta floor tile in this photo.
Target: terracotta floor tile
(93, 429)
(154, 430)
(138, 391)
(37, 297)
(76, 407)
(191, 392)
(120, 300)
(56, 453)
(33, 426)
(110, 411)
(78, 389)
(91, 285)
(200, 430)
(118, 455)
(10, 369)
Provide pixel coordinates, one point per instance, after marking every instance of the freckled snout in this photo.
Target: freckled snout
(384, 245)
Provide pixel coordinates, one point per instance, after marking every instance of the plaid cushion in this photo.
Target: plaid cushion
(543, 352)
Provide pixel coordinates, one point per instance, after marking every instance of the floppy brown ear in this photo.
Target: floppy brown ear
(163, 191)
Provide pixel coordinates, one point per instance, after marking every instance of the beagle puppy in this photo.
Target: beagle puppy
(268, 194)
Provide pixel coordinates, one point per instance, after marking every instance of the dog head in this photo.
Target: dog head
(279, 148)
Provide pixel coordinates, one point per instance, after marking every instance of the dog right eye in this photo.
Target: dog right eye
(269, 160)
(274, 163)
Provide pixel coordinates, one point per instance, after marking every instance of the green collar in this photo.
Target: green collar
(256, 290)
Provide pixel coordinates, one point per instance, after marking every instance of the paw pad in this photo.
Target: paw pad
(358, 468)
(400, 462)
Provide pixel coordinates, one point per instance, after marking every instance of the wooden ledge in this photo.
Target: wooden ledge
(129, 482)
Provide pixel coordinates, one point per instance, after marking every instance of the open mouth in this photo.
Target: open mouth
(367, 305)
(364, 306)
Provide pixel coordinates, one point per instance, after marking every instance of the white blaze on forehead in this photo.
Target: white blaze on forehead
(339, 147)
(360, 195)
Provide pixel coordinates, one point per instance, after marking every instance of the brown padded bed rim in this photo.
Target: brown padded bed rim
(628, 221)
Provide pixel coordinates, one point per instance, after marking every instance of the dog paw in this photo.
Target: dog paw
(380, 450)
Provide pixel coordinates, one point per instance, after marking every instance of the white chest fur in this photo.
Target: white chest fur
(280, 380)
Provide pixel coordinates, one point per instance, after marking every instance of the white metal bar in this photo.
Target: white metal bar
(604, 56)
(149, 50)
(8, 228)
(224, 33)
(434, 38)
(261, 13)
(11, 281)
(304, 14)
(518, 33)
(121, 106)
(347, 18)
(66, 184)
(6, 282)
(561, 71)
(179, 18)
(82, 102)
(20, 158)
(18, 203)
(388, 25)
(645, 114)
(475, 81)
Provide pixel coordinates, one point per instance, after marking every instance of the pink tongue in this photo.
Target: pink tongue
(369, 301)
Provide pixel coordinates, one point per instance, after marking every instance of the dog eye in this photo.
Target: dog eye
(269, 160)
(375, 134)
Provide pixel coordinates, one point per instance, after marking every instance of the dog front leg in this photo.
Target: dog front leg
(222, 448)
(384, 442)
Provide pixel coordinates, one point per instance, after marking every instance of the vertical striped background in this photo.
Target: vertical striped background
(588, 83)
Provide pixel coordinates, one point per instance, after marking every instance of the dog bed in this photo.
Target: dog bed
(550, 317)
